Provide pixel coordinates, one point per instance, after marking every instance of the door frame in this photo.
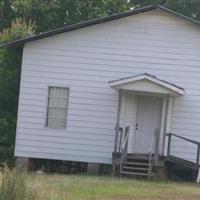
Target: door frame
(160, 149)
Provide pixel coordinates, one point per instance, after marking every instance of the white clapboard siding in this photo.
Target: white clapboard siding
(128, 116)
(94, 145)
(85, 60)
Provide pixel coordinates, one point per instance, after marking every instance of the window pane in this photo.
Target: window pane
(57, 113)
(57, 107)
(58, 102)
(58, 92)
(56, 123)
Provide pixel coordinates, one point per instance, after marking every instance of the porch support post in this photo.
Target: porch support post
(198, 176)
(198, 154)
(168, 120)
(115, 157)
(118, 120)
(162, 127)
(157, 138)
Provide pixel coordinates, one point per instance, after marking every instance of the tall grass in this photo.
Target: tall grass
(14, 186)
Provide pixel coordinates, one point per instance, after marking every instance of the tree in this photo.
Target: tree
(10, 65)
(5, 14)
(56, 13)
(185, 7)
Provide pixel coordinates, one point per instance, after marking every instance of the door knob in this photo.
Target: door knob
(136, 126)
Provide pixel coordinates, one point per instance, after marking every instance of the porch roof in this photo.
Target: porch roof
(146, 83)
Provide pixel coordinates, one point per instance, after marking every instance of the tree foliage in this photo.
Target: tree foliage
(10, 63)
(5, 14)
(56, 13)
(190, 8)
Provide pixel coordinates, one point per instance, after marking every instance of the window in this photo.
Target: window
(57, 107)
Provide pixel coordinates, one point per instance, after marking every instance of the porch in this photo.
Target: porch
(144, 115)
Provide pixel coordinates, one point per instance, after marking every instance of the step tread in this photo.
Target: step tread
(135, 173)
(136, 168)
(136, 163)
(139, 154)
(138, 157)
(133, 158)
(144, 157)
(137, 160)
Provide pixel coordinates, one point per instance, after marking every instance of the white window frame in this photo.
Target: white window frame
(47, 110)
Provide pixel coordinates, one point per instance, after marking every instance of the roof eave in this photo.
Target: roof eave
(176, 89)
(21, 42)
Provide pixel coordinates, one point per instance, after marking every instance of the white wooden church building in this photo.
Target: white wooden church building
(109, 89)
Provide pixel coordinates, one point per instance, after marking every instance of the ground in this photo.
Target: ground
(74, 187)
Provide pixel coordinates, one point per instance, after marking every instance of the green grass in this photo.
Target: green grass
(82, 187)
(55, 187)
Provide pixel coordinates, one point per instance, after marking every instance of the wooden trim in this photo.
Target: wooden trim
(162, 126)
(153, 79)
(169, 115)
(118, 120)
(119, 107)
(136, 118)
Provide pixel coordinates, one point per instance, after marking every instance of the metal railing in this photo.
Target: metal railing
(124, 147)
(170, 135)
(121, 146)
(150, 155)
(118, 139)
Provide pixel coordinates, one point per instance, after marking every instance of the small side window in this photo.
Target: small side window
(58, 98)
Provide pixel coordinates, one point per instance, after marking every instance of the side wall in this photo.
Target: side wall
(85, 60)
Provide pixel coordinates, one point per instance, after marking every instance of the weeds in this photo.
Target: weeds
(14, 186)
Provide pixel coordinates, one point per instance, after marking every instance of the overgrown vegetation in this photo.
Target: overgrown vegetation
(19, 186)
(10, 67)
(20, 18)
(14, 186)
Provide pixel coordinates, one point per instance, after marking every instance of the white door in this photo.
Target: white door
(148, 120)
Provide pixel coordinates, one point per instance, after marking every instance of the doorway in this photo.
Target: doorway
(148, 121)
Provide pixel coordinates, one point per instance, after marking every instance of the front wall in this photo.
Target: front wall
(128, 116)
(85, 60)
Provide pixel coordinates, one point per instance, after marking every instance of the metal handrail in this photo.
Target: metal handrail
(150, 155)
(118, 138)
(124, 148)
(151, 144)
(125, 143)
(186, 139)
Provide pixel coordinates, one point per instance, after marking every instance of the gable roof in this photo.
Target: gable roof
(153, 79)
(21, 42)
